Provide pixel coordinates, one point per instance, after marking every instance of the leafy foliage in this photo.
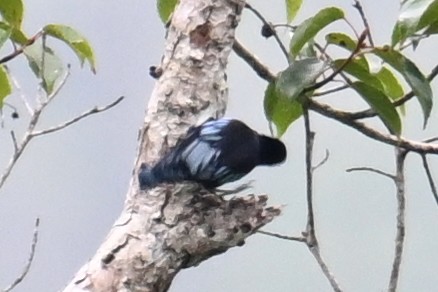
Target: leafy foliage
(5, 85)
(280, 110)
(414, 16)
(413, 76)
(45, 64)
(299, 75)
(75, 41)
(12, 12)
(379, 88)
(311, 26)
(292, 7)
(381, 104)
(43, 61)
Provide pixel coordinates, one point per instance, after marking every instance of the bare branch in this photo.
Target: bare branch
(359, 8)
(14, 141)
(315, 252)
(281, 236)
(20, 91)
(429, 177)
(323, 161)
(265, 22)
(333, 90)
(400, 235)
(31, 133)
(345, 118)
(310, 234)
(310, 230)
(370, 169)
(90, 112)
(26, 268)
(253, 61)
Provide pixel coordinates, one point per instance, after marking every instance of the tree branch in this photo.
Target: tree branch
(281, 236)
(345, 118)
(26, 268)
(370, 169)
(76, 119)
(310, 235)
(359, 8)
(401, 206)
(265, 22)
(429, 177)
(172, 227)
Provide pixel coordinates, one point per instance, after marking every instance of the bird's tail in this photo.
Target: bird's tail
(168, 169)
(146, 177)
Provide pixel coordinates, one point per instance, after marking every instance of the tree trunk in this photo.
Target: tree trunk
(172, 227)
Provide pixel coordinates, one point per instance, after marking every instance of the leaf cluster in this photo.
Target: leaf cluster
(43, 61)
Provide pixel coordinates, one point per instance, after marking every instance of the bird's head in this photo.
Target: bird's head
(272, 150)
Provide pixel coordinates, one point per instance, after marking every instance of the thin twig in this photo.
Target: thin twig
(339, 70)
(310, 230)
(281, 236)
(31, 133)
(20, 91)
(322, 162)
(310, 234)
(78, 118)
(330, 91)
(359, 8)
(20, 50)
(265, 22)
(401, 206)
(345, 118)
(26, 268)
(14, 141)
(370, 169)
(315, 252)
(429, 177)
(253, 61)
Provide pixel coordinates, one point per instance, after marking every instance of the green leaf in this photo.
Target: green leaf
(381, 105)
(292, 7)
(342, 40)
(429, 16)
(75, 41)
(5, 85)
(5, 33)
(280, 110)
(311, 26)
(166, 8)
(413, 76)
(356, 69)
(391, 85)
(12, 12)
(432, 28)
(299, 75)
(19, 37)
(411, 12)
(48, 71)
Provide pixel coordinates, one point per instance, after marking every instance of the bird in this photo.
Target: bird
(216, 152)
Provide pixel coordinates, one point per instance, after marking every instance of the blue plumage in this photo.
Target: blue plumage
(214, 153)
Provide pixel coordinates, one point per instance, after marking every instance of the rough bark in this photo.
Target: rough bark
(172, 227)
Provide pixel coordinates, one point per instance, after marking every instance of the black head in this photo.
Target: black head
(272, 151)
